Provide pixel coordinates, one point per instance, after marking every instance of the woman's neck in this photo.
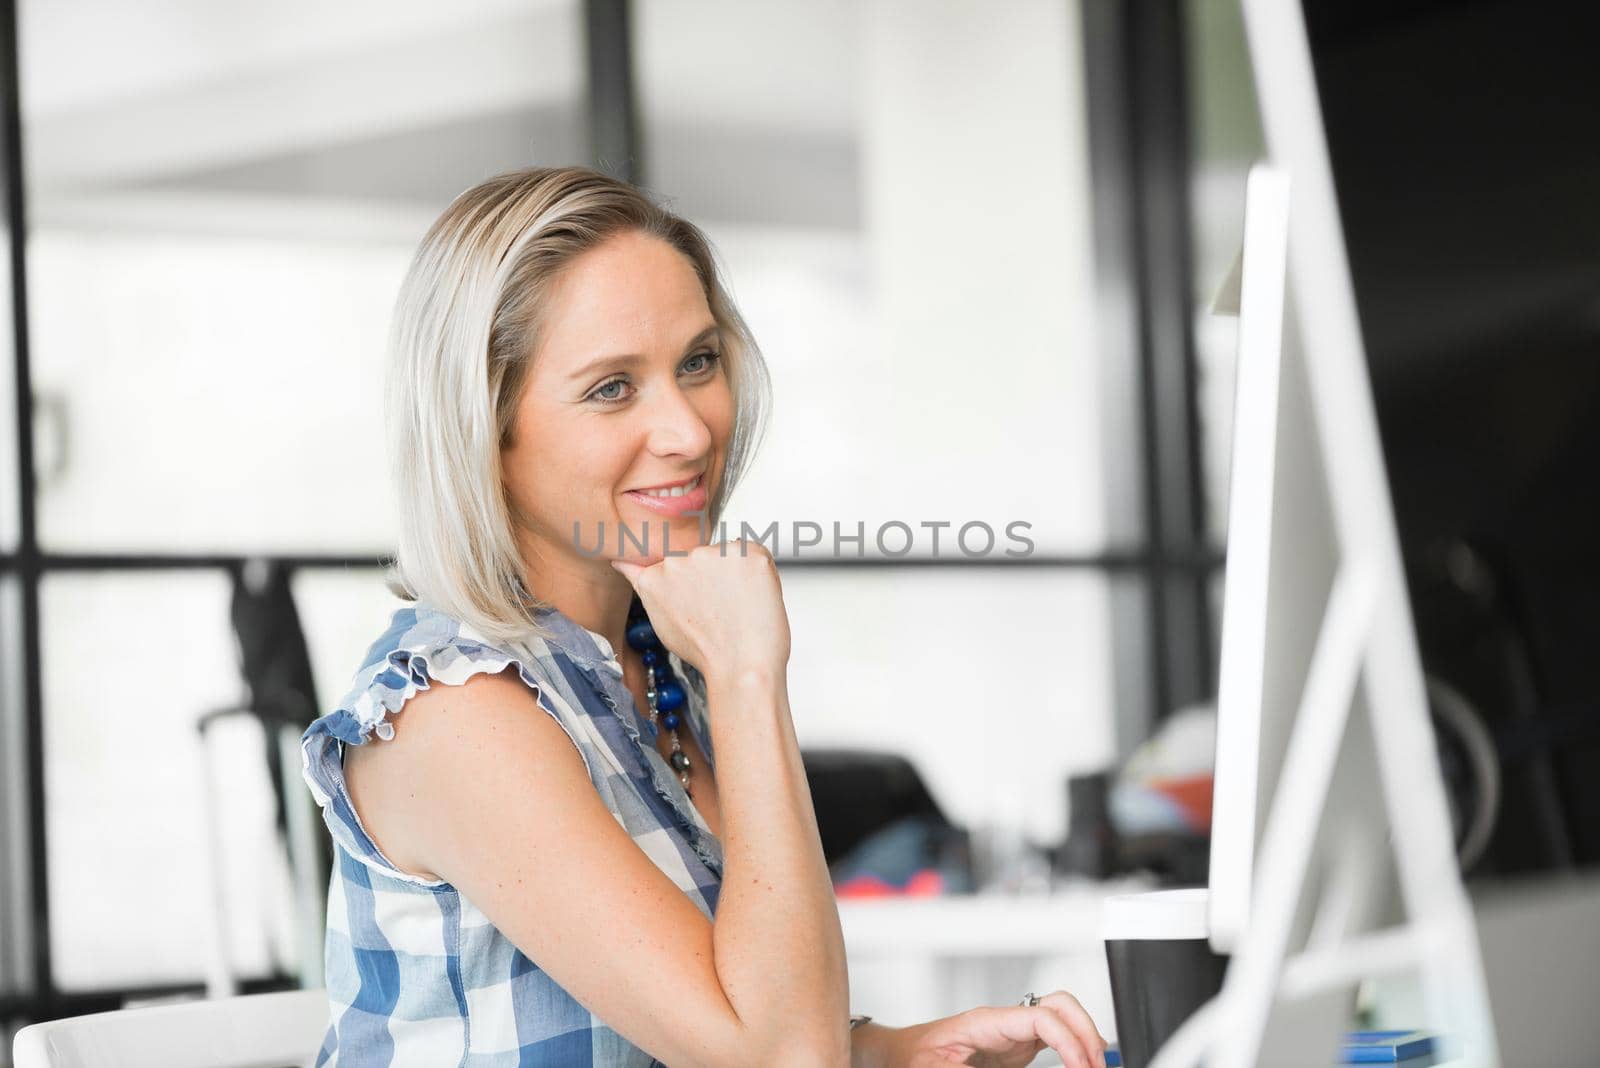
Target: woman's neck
(595, 597)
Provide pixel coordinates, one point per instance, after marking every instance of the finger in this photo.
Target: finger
(1082, 1024)
(629, 571)
(1049, 1025)
(1077, 1018)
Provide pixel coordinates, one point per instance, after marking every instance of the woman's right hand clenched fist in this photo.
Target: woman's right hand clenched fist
(720, 607)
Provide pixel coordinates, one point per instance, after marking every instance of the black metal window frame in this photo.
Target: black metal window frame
(1139, 148)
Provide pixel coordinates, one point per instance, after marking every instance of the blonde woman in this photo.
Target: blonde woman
(571, 821)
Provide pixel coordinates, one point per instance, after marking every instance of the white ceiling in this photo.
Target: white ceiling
(750, 107)
(86, 54)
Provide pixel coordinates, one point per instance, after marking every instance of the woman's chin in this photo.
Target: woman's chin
(642, 540)
(650, 540)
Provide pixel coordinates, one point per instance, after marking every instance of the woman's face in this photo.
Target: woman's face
(626, 400)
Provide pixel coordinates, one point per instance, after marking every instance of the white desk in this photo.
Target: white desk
(916, 959)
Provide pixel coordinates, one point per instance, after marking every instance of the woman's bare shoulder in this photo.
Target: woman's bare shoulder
(401, 786)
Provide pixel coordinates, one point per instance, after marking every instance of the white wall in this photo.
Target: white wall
(976, 197)
(931, 344)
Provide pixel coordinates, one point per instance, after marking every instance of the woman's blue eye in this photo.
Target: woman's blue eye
(707, 360)
(610, 391)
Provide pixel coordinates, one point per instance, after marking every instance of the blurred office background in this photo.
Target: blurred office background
(978, 243)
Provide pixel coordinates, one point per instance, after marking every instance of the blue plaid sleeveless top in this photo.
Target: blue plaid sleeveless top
(416, 974)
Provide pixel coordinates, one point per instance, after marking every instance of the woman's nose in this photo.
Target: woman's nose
(676, 428)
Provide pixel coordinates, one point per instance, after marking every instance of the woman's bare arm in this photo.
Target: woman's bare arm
(778, 943)
(480, 787)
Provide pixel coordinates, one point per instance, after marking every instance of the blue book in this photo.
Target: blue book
(1360, 1047)
(1385, 1047)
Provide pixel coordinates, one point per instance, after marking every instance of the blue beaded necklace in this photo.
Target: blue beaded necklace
(662, 690)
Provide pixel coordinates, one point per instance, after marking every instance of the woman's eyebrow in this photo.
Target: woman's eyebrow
(628, 359)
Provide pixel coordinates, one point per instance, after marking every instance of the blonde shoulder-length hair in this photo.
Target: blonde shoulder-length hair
(466, 327)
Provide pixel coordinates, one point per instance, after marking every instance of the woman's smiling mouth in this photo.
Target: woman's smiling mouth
(672, 499)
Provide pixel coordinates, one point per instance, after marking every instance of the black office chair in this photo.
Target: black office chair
(1475, 634)
(861, 797)
(275, 666)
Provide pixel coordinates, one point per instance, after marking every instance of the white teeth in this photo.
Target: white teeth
(675, 491)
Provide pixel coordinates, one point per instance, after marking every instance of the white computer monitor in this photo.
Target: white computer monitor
(1280, 557)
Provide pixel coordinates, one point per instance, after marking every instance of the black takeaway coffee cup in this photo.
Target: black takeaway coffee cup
(1162, 967)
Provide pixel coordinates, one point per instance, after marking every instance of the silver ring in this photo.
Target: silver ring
(1029, 1000)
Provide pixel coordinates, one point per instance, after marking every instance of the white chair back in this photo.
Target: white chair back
(281, 1030)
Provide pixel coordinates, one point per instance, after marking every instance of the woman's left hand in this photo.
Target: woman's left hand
(1008, 1037)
